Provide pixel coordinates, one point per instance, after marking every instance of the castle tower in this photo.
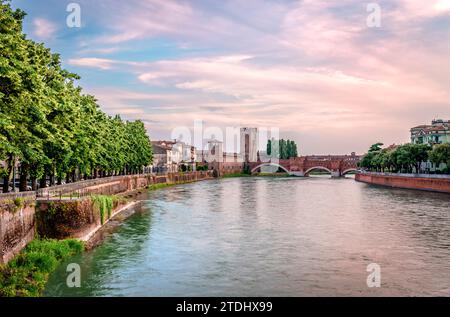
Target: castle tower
(249, 144)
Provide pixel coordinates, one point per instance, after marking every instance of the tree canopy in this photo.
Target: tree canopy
(48, 125)
(404, 158)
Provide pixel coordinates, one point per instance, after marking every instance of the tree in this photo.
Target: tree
(441, 154)
(282, 149)
(47, 124)
(372, 160)
(375, 147)
(405, 158)
(294, 149)
(269, 147)
(419, 154)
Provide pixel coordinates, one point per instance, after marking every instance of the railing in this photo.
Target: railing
(12, 196)
(81, 188)
(436, 176)
(88, 187)
(71, 190)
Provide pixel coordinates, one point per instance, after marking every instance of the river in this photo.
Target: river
(272, 237)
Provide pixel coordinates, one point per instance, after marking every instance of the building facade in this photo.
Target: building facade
(164, 156)
(171, 156)
(436, 133)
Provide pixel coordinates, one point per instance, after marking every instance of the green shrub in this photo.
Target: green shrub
(27, 274)
(15, 205)
(19, 202)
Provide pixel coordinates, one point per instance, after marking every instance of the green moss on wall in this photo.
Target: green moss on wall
(104, 205)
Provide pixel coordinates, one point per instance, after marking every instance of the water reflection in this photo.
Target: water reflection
(273, 237)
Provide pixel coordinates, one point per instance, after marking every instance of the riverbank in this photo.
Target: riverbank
(433, 183)
(65, 227)
(27, 274)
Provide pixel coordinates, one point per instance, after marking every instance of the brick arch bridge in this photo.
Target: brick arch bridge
(337, 165)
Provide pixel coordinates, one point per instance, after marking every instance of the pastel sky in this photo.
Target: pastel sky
(311, 68)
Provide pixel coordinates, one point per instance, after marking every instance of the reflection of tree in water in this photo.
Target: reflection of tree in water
(99, 267)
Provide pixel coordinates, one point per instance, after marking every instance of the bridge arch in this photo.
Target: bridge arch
(348, 170)
(323, 168)
(269, 164)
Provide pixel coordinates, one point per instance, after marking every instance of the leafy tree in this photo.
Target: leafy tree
(441, 154)
(376, 147)
(419, 154)
(404, 158)
(47, 124)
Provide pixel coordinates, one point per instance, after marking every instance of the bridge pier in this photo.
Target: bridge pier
(298, 174)
(336, 174)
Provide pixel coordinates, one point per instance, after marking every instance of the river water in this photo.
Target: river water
(272, 237)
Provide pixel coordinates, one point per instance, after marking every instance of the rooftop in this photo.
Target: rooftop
(435, 126)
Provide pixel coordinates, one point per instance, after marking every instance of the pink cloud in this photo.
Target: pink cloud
(301, 67)
(44, 29)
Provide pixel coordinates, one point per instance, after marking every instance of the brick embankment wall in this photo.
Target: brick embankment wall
(61, 219)
(421, 183)
(17, 227)
(70, 219)
(64, 218)
(131, 183)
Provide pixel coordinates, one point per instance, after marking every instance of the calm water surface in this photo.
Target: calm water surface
(272, 237)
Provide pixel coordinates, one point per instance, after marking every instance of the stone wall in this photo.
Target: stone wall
(224, 168)
(61, 219)
(63, 216)
(69, 219)
(421, 183)
(130, 183)
(17, 227)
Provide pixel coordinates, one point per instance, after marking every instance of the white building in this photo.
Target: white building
(163, 157)
(170, 155)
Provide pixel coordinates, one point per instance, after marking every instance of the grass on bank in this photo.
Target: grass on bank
(27, 274)
(232, 175)
(165, 185)
(159, 186)
(272, 175)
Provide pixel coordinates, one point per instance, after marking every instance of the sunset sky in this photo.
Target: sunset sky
(311, 68)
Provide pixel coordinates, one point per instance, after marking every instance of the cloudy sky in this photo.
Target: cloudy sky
(312, 68)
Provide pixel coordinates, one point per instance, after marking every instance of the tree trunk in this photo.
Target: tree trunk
(33, 183)
(6, 183)
(43, 181)
(9, 172)
(53, 176)
(23, 178)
